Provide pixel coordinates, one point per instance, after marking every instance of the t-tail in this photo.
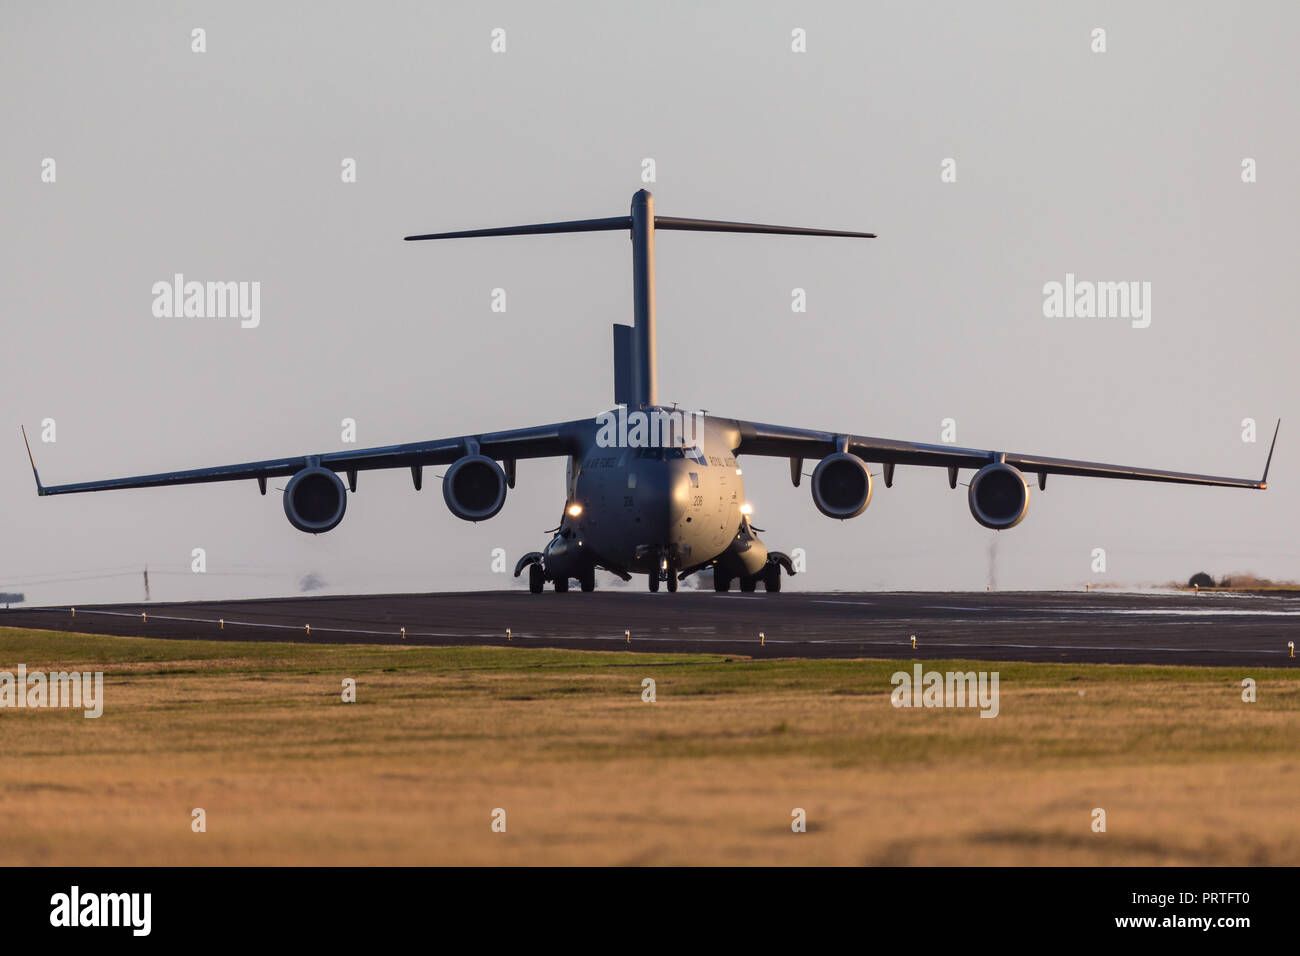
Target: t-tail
(635, 357)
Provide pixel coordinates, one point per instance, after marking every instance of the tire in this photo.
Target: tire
(654, 581)
(587, 579)
(561, 585)
(721, 582)
(672, 582)
(747, 584)
(772, 578)
(536, 579)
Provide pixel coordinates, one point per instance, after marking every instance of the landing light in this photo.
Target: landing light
(739, 472)
(575, 510)
(746, 509)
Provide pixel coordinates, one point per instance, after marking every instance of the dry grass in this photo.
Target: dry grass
(256, 735)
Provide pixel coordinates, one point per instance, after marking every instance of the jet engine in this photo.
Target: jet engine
(841, 486)
(474, 488)
(314, 500)
(999, 496)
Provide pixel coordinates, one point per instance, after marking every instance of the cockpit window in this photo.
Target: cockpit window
(665, 454)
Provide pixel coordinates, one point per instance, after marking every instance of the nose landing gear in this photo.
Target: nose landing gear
(665, 572)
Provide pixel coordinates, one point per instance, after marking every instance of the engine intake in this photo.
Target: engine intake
(999, 496)
(474, 488)
(315, 500)
(841, 486)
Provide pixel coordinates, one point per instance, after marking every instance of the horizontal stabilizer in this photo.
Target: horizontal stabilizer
(714, 225)
(625, 222)
(537, 229)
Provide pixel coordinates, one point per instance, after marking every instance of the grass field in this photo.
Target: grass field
(257, 735)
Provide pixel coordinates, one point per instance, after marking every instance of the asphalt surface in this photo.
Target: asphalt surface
(1098, 626)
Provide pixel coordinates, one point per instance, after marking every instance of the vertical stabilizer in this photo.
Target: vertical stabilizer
(643, 297)
(624, 365)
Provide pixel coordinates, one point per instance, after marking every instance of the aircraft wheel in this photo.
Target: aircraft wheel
(588, 579)
(672, 582)
(536, 579)
(721, 582)
(654, 581)
(772, 578)
(561, 585)
(747, 584)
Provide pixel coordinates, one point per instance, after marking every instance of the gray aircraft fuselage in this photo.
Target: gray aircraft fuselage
(642, 505)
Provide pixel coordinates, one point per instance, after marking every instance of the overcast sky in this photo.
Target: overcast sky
(1123, 165)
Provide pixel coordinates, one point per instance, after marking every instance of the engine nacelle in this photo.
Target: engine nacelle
(998, 496)
(474, 488)
(315, 500)
(841, 486)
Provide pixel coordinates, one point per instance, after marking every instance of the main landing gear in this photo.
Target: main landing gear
(769, 576)
(537, 577)
(586, 581)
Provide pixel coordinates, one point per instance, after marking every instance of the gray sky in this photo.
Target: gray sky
(1116, 166)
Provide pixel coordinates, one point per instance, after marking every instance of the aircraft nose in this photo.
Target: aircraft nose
(664, 498)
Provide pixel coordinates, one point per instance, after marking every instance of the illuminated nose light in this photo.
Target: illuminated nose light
(746, 509)
(739, 472)
(575, 510)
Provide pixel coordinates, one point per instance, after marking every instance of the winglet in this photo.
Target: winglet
(40, 489)
(1263, 482)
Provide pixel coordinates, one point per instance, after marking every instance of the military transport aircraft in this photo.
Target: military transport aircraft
(652, 490)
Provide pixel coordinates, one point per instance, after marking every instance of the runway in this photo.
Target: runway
(1098, 626)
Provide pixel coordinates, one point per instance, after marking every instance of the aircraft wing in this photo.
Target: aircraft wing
(780, 441)
(542, 441)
